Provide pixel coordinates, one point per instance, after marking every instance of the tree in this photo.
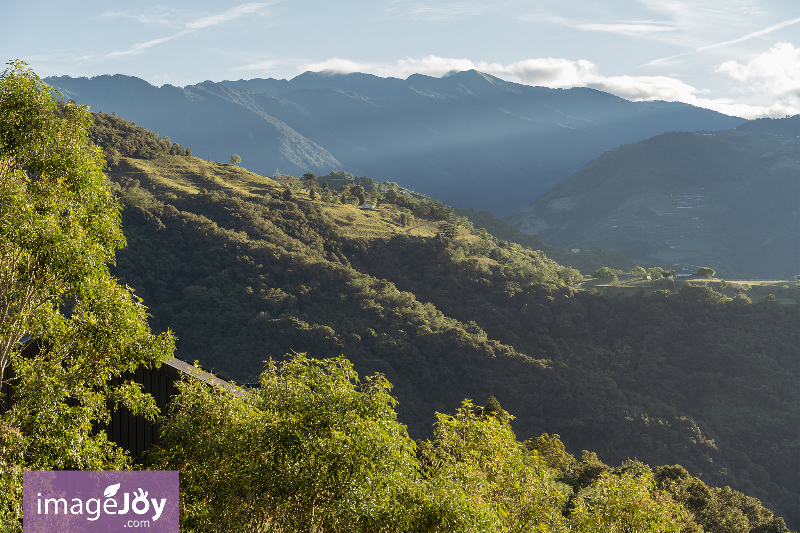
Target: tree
(60, 230)
(638, 271)
(235, 159)
(447, 231)
(480, 456)
(314, 449)
(706, 272)
(551, 450)
(655, 272)
(391, 196)
(310, 178)
(312, 194)
(627, 503)
(605, 272)
(358, 192)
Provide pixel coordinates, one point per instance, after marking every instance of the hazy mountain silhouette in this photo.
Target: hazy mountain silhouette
(469, 139)
(726, 199)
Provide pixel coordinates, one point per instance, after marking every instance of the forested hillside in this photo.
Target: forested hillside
(469, 139)
(587, 261)
(245, 269)
(726, 199)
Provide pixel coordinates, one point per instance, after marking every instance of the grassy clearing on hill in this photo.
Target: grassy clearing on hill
(785, 292)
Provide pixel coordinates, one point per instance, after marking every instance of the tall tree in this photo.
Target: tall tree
(311, 179)
(59, 230)
(315, 449)
(706, 272)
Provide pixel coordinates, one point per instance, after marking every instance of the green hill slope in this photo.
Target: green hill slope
(727, 199)
(587, 261)
(244, 271)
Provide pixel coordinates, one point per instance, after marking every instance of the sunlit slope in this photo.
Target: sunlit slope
(726, 199)
(243, 271)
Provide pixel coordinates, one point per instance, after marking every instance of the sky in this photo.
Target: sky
(739, 57)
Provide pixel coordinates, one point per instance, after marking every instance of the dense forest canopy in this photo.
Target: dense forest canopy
(245, 269)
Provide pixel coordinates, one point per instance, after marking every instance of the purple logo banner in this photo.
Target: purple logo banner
(107, 501)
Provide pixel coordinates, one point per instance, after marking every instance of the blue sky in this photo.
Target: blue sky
(741, 57)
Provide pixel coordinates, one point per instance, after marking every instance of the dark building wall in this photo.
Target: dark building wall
(133, 434)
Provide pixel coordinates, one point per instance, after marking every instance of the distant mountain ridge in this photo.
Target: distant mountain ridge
(727, 199)
(470, 139)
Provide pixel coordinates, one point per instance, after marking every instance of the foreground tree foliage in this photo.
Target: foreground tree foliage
(59, 230)
(478, 452)
(314, 449)
(626, 504)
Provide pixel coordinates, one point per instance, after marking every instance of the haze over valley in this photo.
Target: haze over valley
(468, 139)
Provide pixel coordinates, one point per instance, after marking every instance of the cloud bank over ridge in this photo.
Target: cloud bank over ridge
(772, 76)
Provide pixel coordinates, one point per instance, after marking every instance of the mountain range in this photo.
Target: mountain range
(726, 199)
(468, 139)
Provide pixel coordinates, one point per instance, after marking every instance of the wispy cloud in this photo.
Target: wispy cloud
(160, 15)
(225, 16)
(265, 65)
(139, 48)
(749, 36)
(192, 26)
(441, 12)
(633, 29)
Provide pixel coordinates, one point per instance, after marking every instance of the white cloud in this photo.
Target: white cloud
(340, 66)
(775, 72)
(429, 65)
(776, 76)
(549, 72)
(433, 65)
